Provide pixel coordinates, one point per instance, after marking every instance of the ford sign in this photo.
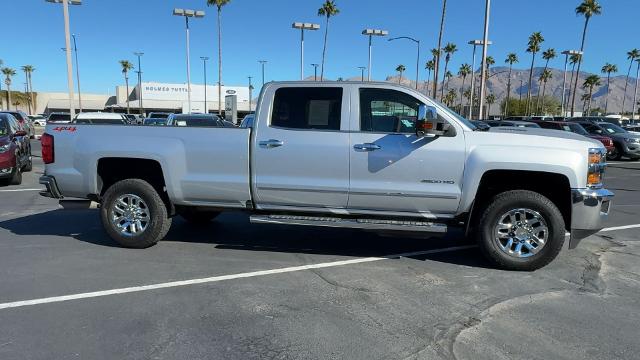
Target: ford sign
(231, 92)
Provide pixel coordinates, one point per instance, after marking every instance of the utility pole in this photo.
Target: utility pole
(315, 71)
(250, 93)
(362, 69)
(262, 62)
(139, 55)
(204, 64)
(485, 47)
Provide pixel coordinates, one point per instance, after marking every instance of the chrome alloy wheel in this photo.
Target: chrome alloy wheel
(521, 233)
(129, 215)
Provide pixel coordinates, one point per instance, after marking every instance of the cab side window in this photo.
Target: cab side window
(316, 108)
(387, 111)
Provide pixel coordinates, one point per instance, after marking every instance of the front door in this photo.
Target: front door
(301, 149)
(395, 171)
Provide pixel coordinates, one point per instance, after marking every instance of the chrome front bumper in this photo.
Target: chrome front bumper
(590, 207)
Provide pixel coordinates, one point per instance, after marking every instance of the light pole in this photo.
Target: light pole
(187, 13)
(485, 46)
(204, 65)
(417, 60)
(566, 54)
(302, 27)
(75, 50)
(473, 69)
(371, 33)
(250, 92)
(67, 41)
(315, 71)
(139, 55)
(362, 69)
(262, 62)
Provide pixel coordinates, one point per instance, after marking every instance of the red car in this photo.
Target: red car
(24, 121)
(15, 150)
(578, 129)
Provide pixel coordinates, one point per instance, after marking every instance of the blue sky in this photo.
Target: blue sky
(110, 30)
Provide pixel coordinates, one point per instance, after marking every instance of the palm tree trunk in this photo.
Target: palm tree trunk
(590, 98)
(9, 97)
(606, 99)
(566, 102)
(26, 76)
(464, 78)
(634, 105)
(506, 104)
(544, 91)
(575, 86)
(33, 102)
(126, 81)
(219, 63)
(437, 64)
(324, 49)
(444, 77)
(533, 59)
(626, 83)
(546, 66)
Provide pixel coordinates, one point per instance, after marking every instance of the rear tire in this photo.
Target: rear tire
(152, 228)
(542, 218)
(16, 179)
(195, 216)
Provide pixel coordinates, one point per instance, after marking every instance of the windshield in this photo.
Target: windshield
(575, 128)
(612, 129)
(191, 120)
(158, 115)
(59, 117)
(4, 127)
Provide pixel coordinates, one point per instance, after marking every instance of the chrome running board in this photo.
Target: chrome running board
(357, 223)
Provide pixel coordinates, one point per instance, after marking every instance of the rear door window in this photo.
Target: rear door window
(317, 108)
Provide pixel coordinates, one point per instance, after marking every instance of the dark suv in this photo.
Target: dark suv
(15, 150)
(626, 144)
(24, 121)
(576, 128)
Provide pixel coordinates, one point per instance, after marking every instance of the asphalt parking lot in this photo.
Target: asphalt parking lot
(231, 290)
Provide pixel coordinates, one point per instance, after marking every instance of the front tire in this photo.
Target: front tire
(520, 230)
(616, 154)
(29, 166)
(134, 215)
(16, 178)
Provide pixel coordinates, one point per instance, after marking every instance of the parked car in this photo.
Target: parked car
(132, 119)
(59, 118)
(155, 122)
(38, 120)
(540, 118)
(24, 121)
(15, 150)
(158, 115)
(577, 129)
(512, 123)
(481, 125)
(197, 120)
(517, 118)
(100, 118)
(247, 121)
(597, 119)
(320, 154)
(625, 143)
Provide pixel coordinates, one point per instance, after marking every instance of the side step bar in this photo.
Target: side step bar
(369, 224)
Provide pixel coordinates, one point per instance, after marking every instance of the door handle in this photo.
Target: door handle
(367, 147)
(271, 143)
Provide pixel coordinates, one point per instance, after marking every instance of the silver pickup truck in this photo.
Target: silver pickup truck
(374, 156)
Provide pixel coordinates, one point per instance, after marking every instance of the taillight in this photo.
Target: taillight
(48, 154)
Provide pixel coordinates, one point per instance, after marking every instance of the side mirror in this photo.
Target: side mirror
(428, 122)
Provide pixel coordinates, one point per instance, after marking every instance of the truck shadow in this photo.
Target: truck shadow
(233, 231)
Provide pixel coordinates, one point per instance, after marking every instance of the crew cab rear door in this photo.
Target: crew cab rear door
(301, 147)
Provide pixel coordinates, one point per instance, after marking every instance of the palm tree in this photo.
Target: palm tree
(28, 70)
(491, 99)
(126, 66)
(447, 77)
(635, 93)
(429, 66)
(489, 61)
(219, 4)
(547, 55)
(437, 54)
(585, 99)
(533, 47)
(573, 60)
(589, 83)
(400, 69)
(544, 77)
(8, 73)
(587, 8)
(449, 49)
(631, 56)
(328, 9)
(463, 72)
(511, 59)
(450, 98)
(608, 69)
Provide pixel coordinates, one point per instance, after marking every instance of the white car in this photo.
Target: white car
(100, 118)
(38, 120)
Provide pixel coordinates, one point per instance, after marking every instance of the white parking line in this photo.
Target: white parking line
(621, 228)
(214, 279)
(17, 190)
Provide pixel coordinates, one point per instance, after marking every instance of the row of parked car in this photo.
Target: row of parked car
(15, 147)
(620, 141)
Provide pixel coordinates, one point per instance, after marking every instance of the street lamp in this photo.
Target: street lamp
(566, 54)
(362, 69)
(371, 33)
(302, 27)
(139, 55)
(75, 50)
(418, 59)
(67, 41)
(187, 13)
(262, 62)
(473, 69)
(315, 71)
(250, 92)
(204, 65)
(485, 46)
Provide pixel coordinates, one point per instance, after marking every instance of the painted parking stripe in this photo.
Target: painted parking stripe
(18, 190)
(625, 227)
(215, 279)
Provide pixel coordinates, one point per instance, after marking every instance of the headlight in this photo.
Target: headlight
(597, 166)
(5, 148)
